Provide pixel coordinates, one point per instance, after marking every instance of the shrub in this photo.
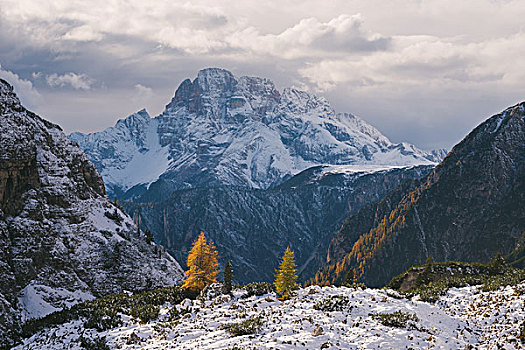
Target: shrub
(145, 313)
(102, 319)
(228, 278)
(96, 343)
(435, 280)
(333, 303)
(102, 313)
(249, 326)
(175, 314)
(509, 278)
(258, 289)
(398, 319)
(522, 333)
(115, 216)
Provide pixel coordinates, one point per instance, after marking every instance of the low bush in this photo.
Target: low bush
(333, 303)
(434, 280)
(103, 313)
(175, 314)
(258, 289)
(96, 343)
(249, 326)
(102, 318)
(115, 216)
(398, 319)
(145, 313)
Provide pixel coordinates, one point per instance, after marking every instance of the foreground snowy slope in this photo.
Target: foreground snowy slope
(326, 318)
(224, 130)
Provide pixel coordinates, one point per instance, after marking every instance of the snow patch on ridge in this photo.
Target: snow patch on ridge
(39, 300)
(145, 164)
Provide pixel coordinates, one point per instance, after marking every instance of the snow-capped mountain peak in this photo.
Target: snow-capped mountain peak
(223, 130)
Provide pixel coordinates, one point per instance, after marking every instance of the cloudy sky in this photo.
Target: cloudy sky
(426, 72)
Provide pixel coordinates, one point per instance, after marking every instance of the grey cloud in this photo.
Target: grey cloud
(383, 65)
(329, 42)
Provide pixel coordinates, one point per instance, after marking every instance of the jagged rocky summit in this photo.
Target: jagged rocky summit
(62, 240)
(222, 130)
(470, 207)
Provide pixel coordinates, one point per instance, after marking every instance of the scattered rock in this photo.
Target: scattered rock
(133, 339)
(317, 331)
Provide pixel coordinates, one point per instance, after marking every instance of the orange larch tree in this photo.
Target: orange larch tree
(202, 263)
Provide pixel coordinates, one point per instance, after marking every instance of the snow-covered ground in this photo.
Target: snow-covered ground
(465, 318)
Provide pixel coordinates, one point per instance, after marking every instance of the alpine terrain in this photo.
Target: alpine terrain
(63, 241)
(469, 208)
(252, 227)
(316, 317)
(223, 130)
(256, 168)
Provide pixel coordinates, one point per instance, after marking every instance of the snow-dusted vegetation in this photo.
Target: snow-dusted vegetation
(316, 317)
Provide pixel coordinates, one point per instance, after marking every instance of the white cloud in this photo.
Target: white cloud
(426, 61)
(25, 90)
(310, 37)
(76, 81)
(143, 91)
(83, 33)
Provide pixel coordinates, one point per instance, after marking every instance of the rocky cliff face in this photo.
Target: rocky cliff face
(252, 227)
(468, 208)
(62, 240)
(222, 130)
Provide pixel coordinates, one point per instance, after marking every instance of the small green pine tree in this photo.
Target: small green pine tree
(286, 277)
(498, 264)
(148, 236)
(228, 278)
(349, 279)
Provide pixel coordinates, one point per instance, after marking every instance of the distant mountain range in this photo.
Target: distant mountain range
(252, 227)
(470, 207)
(62, 240)
(221, 130)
